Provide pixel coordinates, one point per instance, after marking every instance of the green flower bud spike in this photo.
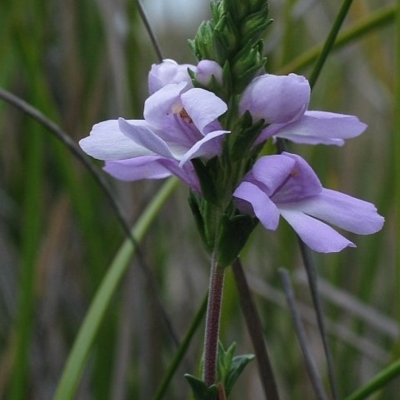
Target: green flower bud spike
(233, 36)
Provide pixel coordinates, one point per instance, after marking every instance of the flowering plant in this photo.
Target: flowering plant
(103, 290)
(208, 125)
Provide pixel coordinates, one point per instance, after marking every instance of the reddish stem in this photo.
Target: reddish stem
(212, 323)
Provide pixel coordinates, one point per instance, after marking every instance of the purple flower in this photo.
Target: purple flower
(282, 101)
(179, 124)
(286, 185)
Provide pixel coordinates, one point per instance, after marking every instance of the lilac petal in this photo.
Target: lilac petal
(138, 168)
(346, 212)
(319, 127)
(186, 173)
(301, 183)
(168, 72)
(270, 130)
(314, 233)
(208, 147)
(161, 104)
(107, 142)
(264, 209)
(270, 172)
(141, 134)
(202, 106)
(276, 99)
(267, 132)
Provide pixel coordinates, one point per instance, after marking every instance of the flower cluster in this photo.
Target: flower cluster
(182, 123)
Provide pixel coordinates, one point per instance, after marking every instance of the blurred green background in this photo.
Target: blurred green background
(80, 62)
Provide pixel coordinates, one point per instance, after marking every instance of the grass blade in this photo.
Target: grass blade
(378, 382)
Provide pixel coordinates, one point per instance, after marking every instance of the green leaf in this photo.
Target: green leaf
(233, 236)
(378, 382)
(236, 368)
(230, 367)
(200, 390)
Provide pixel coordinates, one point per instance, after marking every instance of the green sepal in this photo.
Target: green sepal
(227, 80)
(206, 178)
(233, 235)
(244, 136)
(200, 390)
(217, 10)
(248, 64)
(195, 202)
(203, 43)
(254, 26)
(206, 45)
(228, 35)
(240, 8)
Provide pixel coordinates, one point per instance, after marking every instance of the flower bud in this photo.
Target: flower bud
(276, 99)
(206, 69)
(168, 72)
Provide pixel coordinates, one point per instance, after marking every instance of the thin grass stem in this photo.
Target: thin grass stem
(312, 284)
(301, 335)
(330, 41)
(377, 19)
(150, 31)
(255, 329)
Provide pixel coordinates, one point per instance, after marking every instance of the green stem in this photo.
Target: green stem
(378, 382)
(181, 350)
(330, 40)
(90, 326)
(212, 322)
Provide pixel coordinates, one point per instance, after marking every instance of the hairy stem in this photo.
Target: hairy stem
(212, 322)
